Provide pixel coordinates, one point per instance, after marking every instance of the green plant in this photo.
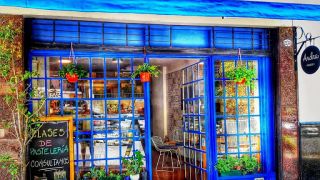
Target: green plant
(134, 164)
(242, 74)
(225, 165)
(152, 69)
(22, 123)
(8, 163)
(245, 164)
(113, 176)
(249, 164)
(72, 69)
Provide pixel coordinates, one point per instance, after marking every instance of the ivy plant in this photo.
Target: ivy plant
(23, 124)
(249, 164)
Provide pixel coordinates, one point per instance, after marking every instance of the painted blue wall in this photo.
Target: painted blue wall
(210, 8)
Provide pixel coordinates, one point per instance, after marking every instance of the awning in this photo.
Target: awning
(206, 8)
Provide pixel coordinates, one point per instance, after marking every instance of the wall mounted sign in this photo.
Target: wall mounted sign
(51, 150)
(310, 59)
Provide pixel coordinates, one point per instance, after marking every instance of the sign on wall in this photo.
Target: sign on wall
(51, 150)
(310, 59)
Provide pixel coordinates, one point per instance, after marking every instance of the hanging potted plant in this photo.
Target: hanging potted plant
(134, 165)
(242, 75)
(145, 72)
(72, 72)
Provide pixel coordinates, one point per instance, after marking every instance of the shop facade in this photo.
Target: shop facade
(112, 112)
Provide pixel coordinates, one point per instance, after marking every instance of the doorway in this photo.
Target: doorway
(178, 118)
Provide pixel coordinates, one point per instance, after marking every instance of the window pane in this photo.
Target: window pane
(112, 109)
(53, 66)
(38, 65)
(125, 67)
(112, 67)
(84, 63)
(98, 88)
(112, 89)
(97, 67)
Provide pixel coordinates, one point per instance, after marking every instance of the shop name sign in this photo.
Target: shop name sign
(310, 59)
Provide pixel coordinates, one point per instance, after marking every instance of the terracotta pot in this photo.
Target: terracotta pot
(145, 77)
(242, 81)
(72, 78)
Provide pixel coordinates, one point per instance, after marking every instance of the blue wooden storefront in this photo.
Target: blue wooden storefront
(137, 43)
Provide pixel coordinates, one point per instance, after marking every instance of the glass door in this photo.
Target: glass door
(194, 121)
(243, 116)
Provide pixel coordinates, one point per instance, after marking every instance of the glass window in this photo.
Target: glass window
(238, 129)
(107, 107)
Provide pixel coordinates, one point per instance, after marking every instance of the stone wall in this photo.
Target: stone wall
(287, 108)
(8, 143)
(174, 83)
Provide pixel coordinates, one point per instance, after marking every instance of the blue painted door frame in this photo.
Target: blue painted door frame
(266, 88)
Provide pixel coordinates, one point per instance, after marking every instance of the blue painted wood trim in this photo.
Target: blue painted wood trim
(147, 113)
(208, 8)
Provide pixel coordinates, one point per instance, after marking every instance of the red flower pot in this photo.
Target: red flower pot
(72, 78)
(242, 81)
(145, 77)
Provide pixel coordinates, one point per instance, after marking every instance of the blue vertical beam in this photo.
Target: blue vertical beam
(209, 119)
(147, 116)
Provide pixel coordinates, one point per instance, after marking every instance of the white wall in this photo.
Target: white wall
(159, 104)
(309, 84)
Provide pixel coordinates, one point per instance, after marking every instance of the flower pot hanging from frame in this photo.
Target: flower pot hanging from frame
(240, 74)
(145, 77)
(72, 72)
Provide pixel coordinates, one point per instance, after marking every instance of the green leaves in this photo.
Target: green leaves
(134, 164)
(7, 32)
(246, 164)
(152, 69)
(73, 69)
(242, 74)
(7, 162)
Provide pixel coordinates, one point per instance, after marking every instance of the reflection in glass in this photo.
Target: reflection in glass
(243, 125)
(255, 124)
(68, 89)
(54, 107)
(232, 144)
(230, 88)
(38, 66)
(53, 88)
(83, 89)
(244, 144)
(84, 62)
(112, 89)
(112, 67)
(53, 66)
(125, 67)
(139, 107)
(231, 106)
(84, 109)
(138, 89)
(125, 89)
(220, 126)
(242, 106)
(98, 89)
(254, 106)
(219, 106)
(231, 126)
(112, 109)
(97, 68)
(98, 109)
(221, 144)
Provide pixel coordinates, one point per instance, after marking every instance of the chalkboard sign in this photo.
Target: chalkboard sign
(51, 150)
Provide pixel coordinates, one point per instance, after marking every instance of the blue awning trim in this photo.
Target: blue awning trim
(208, 8)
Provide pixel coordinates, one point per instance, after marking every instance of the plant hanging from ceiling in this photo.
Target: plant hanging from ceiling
(241, 74)
(146, 71)
(72, 72)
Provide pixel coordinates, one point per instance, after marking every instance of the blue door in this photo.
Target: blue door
(243, 116)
